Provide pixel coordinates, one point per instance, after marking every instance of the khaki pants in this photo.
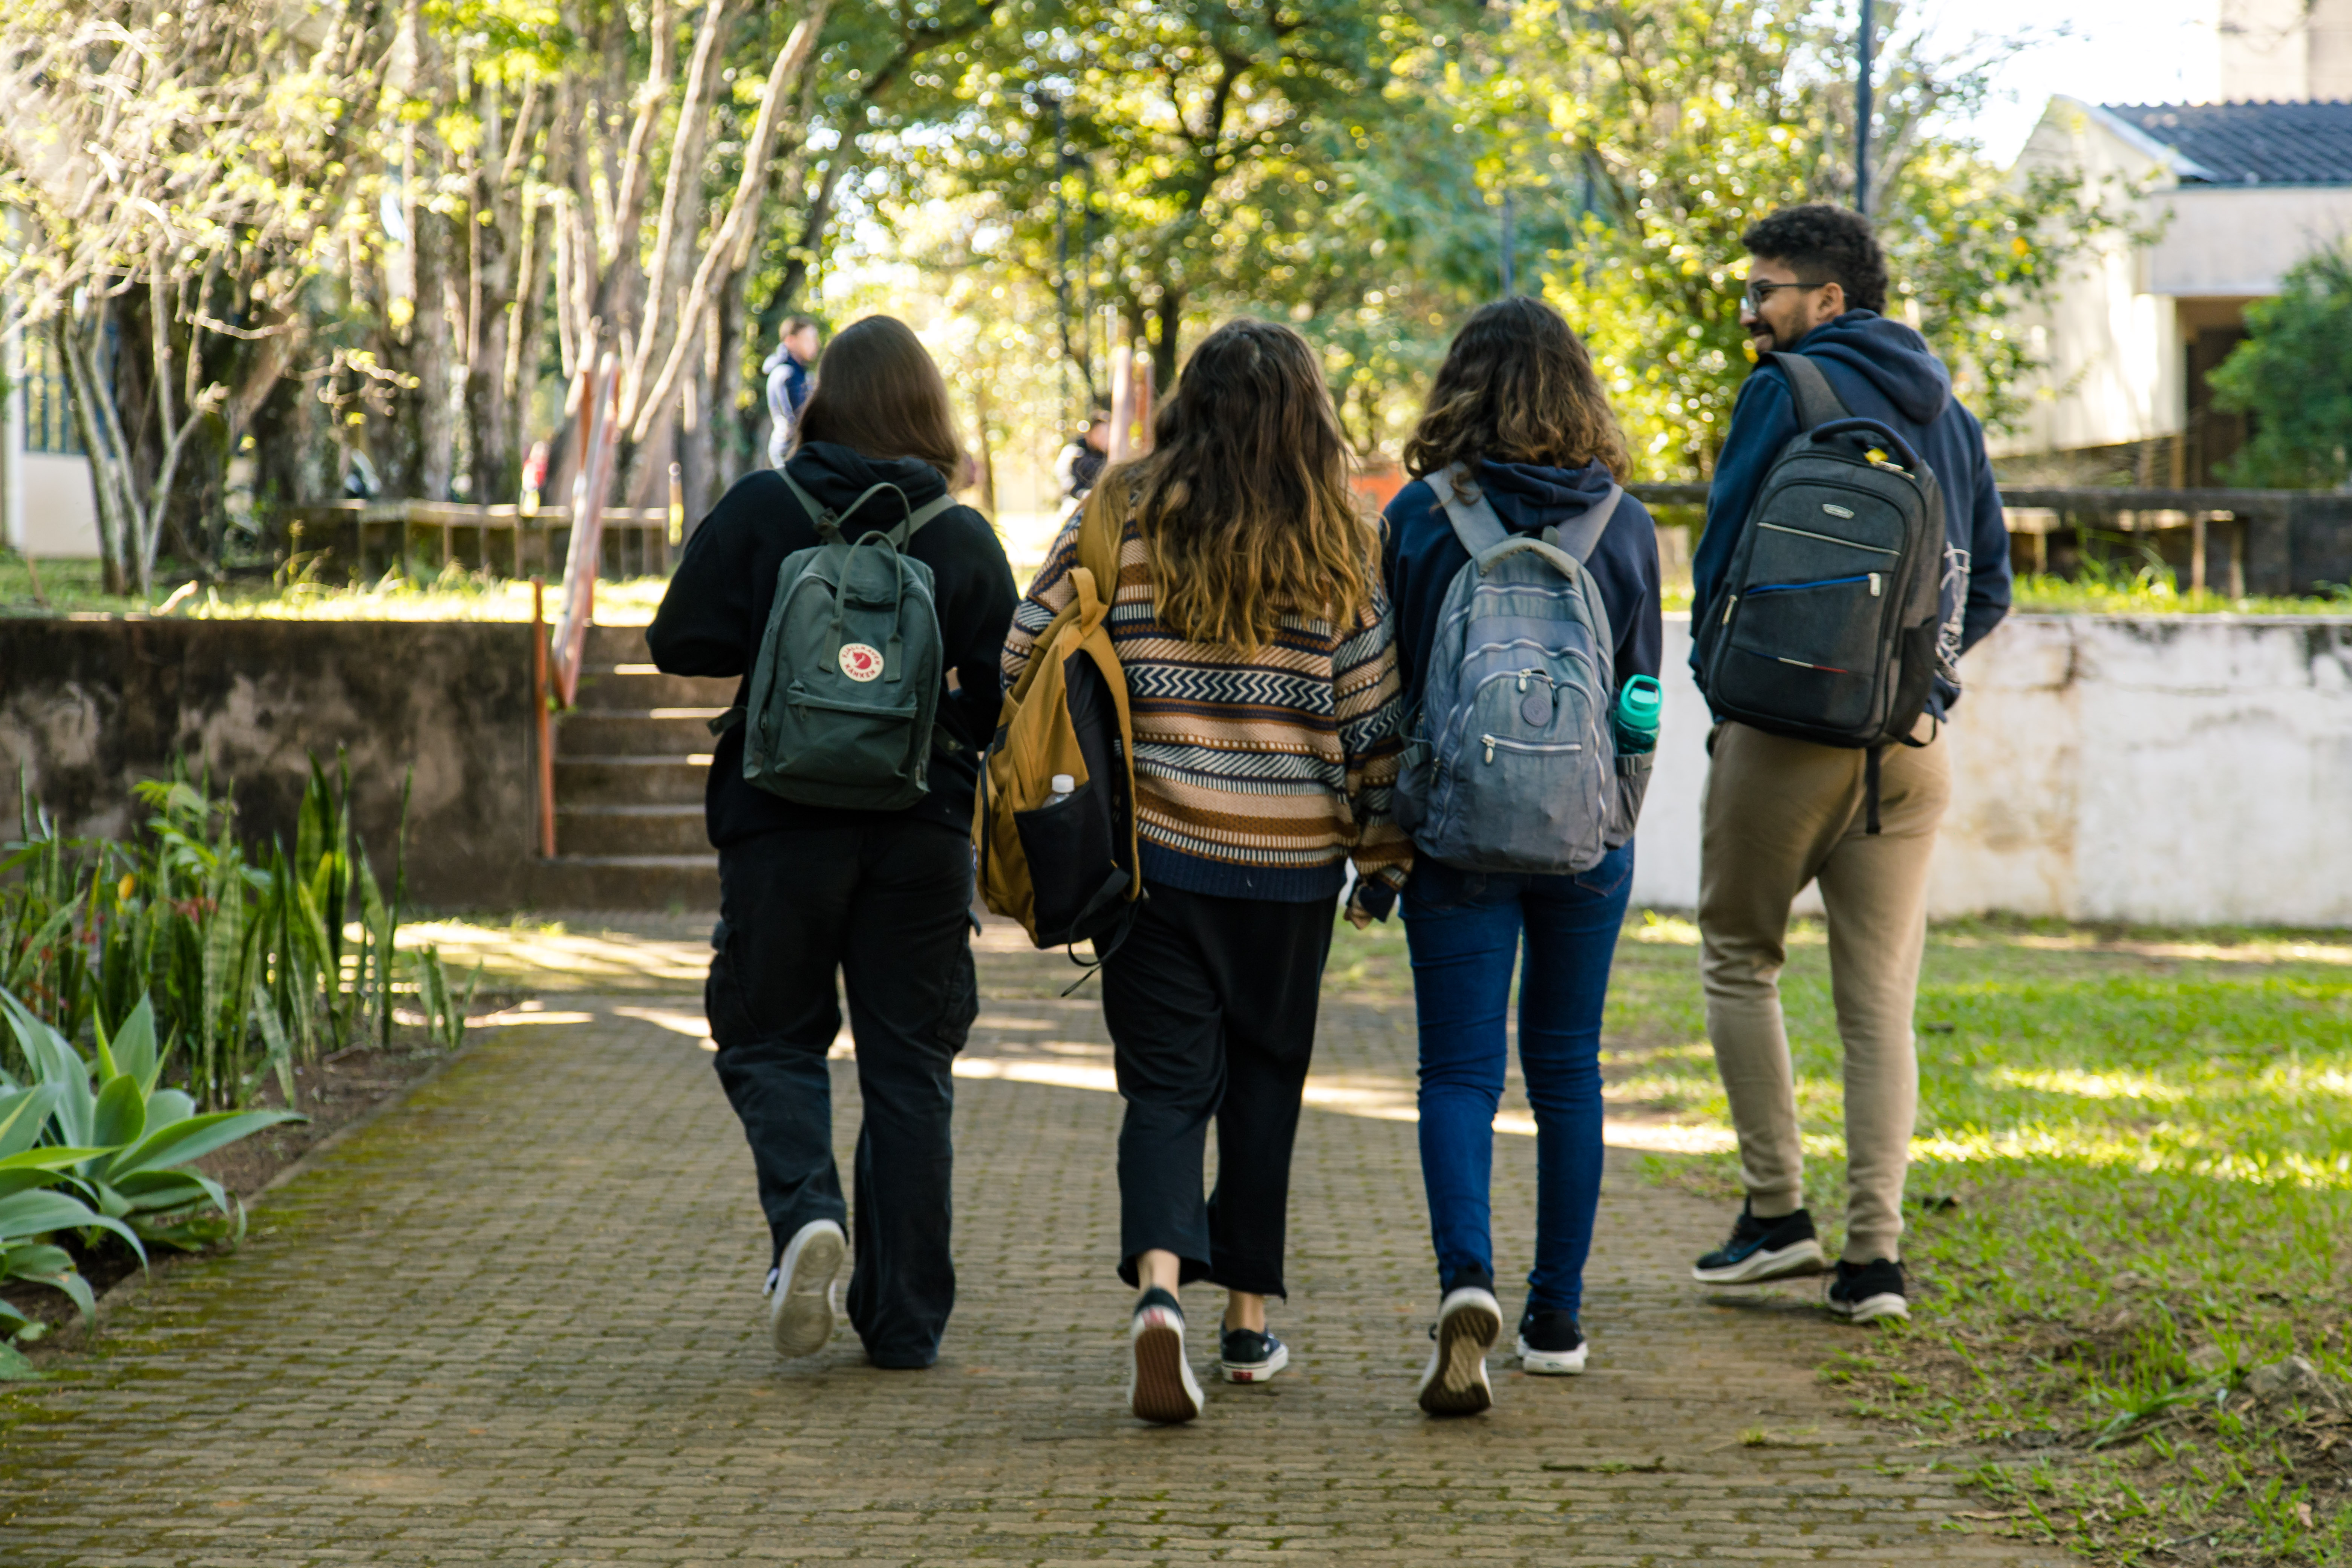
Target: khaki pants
(1776, 814)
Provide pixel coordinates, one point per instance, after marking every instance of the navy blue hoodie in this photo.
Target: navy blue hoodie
(1880, 370)
(1421, 556)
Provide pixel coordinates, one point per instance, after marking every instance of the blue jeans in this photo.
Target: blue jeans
(1465, 928)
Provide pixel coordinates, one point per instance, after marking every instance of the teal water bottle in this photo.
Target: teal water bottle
(1639, 703)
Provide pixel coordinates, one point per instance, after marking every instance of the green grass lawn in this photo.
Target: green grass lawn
(2132, 1187)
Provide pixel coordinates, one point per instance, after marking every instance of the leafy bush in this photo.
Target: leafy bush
(245, 963)
(2294, 375)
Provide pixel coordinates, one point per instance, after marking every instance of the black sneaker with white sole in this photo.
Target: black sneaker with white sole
(1761, 1249)
(1866, 1292)
(1551, 1344)
(1469, 1322)
(1160, 1389)
(1250, 1357)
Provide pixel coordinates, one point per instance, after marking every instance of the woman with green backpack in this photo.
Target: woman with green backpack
(1525, 585)
(865, 612)
(1247, 618)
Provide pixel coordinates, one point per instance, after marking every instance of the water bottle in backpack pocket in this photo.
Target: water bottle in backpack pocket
(1510, 764)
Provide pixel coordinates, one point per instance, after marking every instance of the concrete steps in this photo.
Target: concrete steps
(632, 760)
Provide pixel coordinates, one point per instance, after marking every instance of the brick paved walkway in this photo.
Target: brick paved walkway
(515, 1321)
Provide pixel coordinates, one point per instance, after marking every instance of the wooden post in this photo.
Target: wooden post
(1122, 402)
(2196, 555)
(542, 718)
(586, 553)
(1142, 398)
(2238, 556)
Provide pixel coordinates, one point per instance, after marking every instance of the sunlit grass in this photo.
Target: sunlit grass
(2152, 591)
(452, 594)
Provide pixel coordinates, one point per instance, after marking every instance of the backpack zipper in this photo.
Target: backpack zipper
(1503, 743)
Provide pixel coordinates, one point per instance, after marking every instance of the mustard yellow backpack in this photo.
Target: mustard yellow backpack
(1053, 822)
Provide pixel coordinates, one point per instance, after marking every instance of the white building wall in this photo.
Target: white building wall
(2285, 49)
(61, 514)
(2184, 770)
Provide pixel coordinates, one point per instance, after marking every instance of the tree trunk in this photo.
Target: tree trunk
(431, 335)
(1168, 315)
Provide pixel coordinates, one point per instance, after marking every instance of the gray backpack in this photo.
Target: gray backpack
(1511, 763)
(848, 676)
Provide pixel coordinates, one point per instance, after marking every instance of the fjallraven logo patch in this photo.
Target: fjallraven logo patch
(1835, 511)
(861, 661)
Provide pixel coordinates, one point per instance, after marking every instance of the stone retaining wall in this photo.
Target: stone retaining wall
(89, 705)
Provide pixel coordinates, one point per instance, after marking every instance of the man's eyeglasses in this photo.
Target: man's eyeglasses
(1758, 292)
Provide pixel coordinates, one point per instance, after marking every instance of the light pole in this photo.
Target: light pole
(1861, 121)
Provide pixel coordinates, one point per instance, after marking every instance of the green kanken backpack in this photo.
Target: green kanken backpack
(850, 669)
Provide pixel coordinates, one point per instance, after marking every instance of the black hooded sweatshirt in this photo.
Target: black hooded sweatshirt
(715, 610)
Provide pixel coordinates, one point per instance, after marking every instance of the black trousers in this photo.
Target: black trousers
(885, 906)
(1211, 1003)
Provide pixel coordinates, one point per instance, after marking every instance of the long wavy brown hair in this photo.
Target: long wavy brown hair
(1243, 502)
(1518, 386)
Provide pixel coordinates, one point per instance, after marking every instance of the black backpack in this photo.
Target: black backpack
(1825, 629)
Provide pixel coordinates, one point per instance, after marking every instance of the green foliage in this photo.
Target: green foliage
(2294, 375)
(1669, 129)
(134, 1135)
(244, 962)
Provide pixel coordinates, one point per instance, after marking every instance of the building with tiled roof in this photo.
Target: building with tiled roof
(2227, 196)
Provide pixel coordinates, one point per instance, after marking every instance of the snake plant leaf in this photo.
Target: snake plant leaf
(183, 1140)
(119, 1117)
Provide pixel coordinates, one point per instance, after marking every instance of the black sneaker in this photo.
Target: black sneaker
(1250, 1357)
(1866, 1292)
(1761, 1249)
(1469, 1320)
(1550, 1343)
(1161, 1388)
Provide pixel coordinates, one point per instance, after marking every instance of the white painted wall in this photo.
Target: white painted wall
(2228, 241)
(60, 515)
(2184, 770)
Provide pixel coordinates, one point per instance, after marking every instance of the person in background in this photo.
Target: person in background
(1516, 412)
(1084, 459)
(1779, 812)
(1249, 621)
(811, 899)
(787, 369)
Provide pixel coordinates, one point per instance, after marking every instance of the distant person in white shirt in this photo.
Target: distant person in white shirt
(797, 343)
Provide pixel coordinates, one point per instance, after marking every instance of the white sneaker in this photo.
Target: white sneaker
(799, 1290)
(1469, 1320)
(1161, 1388)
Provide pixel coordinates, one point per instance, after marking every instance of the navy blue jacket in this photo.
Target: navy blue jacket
(1421, 556)
(1880, 370)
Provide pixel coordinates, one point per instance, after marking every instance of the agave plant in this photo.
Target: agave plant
(29, 1212)
(134, 1136)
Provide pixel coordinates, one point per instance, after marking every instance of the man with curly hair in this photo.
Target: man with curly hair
(1779, 812)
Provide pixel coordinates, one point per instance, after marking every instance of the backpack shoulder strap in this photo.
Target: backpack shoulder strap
(827, 521)
(1582, 537)
(1817, 401)
(1101, 531)
(1474, 521)
(922, 514)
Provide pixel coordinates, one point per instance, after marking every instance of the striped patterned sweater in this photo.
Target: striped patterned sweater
(1254, 777)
